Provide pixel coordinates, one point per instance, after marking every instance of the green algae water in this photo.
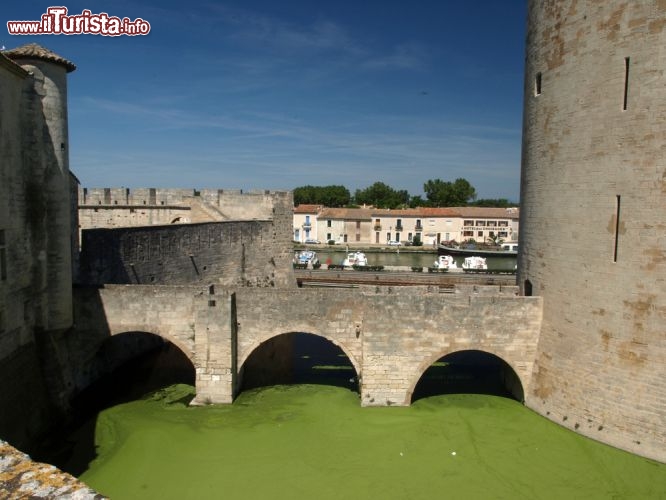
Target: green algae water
(315, 441)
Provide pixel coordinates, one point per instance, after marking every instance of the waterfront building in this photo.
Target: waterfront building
(305, 222)
(432, 225)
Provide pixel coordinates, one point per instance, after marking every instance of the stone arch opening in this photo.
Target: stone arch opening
(469, 372)
(298, 358)
(129, 365)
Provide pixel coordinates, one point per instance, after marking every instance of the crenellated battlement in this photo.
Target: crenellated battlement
(125, 207)
(152, 197)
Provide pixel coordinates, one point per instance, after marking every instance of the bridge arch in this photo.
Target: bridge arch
(130, 364)
(509, 376)
(186, 345)
(297, 357)
(258, 341)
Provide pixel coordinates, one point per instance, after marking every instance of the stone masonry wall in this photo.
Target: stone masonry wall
(249, 251)
(124, 207)
(593, 237)
(35, 267)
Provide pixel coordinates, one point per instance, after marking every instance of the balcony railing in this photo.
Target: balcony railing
(398, 228)
(418, 227)
(307, 224)
(377, 227)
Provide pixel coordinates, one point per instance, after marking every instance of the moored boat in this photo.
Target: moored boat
(307, 257)
(475, 263)
(445, 262)
(355, 259)
(505, 251)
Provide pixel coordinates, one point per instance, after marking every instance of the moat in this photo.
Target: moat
(462, 436)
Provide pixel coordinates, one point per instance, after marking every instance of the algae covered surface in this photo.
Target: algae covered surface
(314, 441)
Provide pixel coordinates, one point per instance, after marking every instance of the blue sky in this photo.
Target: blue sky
(280, 94)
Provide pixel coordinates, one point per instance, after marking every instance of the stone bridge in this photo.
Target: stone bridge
(391, 335)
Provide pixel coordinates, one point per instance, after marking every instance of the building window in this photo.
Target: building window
(480, 222)
(468, 223)
(409, 236)
(328, 223)
(358, 224)
(537, 84)
(388, 236)
(328, 237)
(480, 234)
(3, 256)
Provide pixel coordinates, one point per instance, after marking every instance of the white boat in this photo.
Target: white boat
(355, 259)
(475, 263)
(445, 262)
(307, 257)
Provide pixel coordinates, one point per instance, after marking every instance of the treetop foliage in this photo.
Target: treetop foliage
(329, 196)
(439, 193)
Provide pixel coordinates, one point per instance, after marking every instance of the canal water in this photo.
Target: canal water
(310, 440)
(409, 259)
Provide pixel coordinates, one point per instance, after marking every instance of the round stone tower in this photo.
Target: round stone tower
(45, 152)
(593, 216)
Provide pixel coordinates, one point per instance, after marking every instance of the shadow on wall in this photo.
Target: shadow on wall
(469, 372)
(143, 363)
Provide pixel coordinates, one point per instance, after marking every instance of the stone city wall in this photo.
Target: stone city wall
(124, 207)
(245, 253)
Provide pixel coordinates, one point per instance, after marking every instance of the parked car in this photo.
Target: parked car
(394, 244)
(312, 242)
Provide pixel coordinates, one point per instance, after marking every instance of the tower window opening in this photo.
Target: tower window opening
(626, 83)
(617, 226)
(537, 84)
(3, 256)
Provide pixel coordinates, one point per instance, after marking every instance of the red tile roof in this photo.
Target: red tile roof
(308, 209)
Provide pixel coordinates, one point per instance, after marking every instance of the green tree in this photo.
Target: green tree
(381, 195)
(329, 196)
(493, 202)
(418, 201)
(449, 194)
